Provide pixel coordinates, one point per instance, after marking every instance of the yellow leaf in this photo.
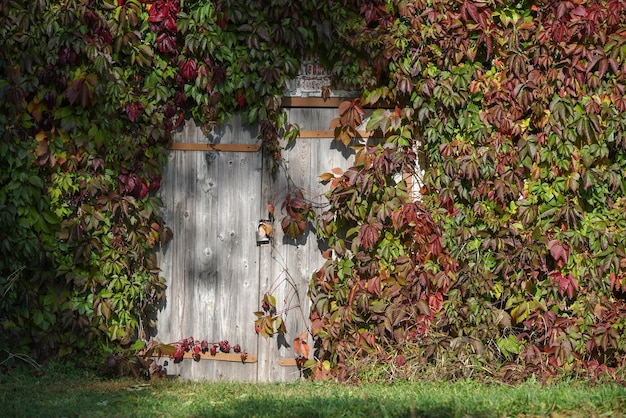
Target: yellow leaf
(344, 134)
(326, 177)
(268, 229)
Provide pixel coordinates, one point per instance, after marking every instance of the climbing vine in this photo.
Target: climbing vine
(90, 93)
(514, 259)
(518, 110)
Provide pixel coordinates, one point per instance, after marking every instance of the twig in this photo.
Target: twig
(27, 359)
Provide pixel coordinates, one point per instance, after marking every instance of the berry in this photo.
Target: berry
(224, 346)
(178, 354)
(196, 353)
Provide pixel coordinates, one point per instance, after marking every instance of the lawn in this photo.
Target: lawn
(69, 392)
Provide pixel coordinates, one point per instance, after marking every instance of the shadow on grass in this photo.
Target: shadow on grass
(77, 395)
(150, 403)
(333, 407)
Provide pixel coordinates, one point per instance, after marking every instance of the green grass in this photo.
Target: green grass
(69, 392)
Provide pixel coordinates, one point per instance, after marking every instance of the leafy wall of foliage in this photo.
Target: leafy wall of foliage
(90, 91)
(519, 110)
(515, 256)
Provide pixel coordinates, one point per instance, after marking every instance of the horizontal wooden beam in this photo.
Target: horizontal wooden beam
(234, 357)
(331, 102)
(313, 101)
(287, 362)
(327, 134)
(186, 146)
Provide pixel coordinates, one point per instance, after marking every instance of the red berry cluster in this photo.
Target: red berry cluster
(224, 346)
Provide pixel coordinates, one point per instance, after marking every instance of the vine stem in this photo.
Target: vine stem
(27, 359)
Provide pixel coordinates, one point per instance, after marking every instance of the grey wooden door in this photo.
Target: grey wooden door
(211, 202)
(215, 272)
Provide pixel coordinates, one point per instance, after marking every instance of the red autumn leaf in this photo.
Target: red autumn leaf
(155, 183)
(143, 192)
(373, 286)
(167, 43)
(566, 284)
(162, 15)
(372, 12)
(180, 120)
(397, 218)
(618, 283)
(369, 234)
(157, 13)
(293, 227)
(412, 213)
(560, 252)
(400, 360)
(573, 286)
(435, 301)
(188, 69)
(301, 346)
(367, 338)
(295, 204)
(317, 324)
(169, 110)
(241, 99)
(170, 24)
(435, 244)
(134, 110)
(448, 203)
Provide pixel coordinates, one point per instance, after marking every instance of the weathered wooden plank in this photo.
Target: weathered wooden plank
(295, 261)
(323, 155)
(183, 146)
(212, 278)
(202, 286)
(265, 348)
(180, 215)
(296, 254)
(282, 276)
(240, 180)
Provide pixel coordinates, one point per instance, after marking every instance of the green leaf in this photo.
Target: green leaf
(138, 345)
(508, 345)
